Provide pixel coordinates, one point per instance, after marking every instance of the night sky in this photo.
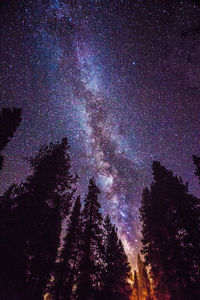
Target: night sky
(120, 79)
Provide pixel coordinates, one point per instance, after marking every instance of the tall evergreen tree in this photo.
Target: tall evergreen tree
(9, 121)
(170, 237)
(92, 249)
(65, 276)
(41, 204)
(49, 194)
(117, 268)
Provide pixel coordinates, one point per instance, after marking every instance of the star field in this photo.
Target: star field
(120, 79)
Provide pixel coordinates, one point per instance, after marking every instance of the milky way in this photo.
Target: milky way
(120, 79)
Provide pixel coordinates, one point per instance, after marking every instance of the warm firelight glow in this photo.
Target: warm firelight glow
(48, 296)
(130, 281)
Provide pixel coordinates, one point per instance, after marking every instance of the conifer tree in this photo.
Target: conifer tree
(49, 193)
(92, 249)
(117, 268)
(65, 276)
(124, 272)
(40, 206)
(169, 236)
(9, 121)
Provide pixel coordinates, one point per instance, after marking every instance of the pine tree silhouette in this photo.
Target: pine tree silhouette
(117, 268)
(169, 236)
(50, 195)
(41, 203)
(65, 276)
(92, 249)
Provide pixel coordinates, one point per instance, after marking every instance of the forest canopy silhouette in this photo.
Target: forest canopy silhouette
(55, 242)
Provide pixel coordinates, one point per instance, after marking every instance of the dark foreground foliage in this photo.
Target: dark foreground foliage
(34, 256)
(171, 235)
(49, 243)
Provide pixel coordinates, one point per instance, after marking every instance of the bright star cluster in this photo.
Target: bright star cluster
(120, 79)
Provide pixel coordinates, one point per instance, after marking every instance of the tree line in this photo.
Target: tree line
(170, 218)
(51, 241)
